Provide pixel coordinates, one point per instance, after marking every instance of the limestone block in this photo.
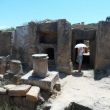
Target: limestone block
(19, 90)
(33, 94)
(46, 83)
(9, 86)
(40, 65)
(16, 67)
(3, 91)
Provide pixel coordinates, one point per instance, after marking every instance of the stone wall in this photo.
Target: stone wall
(24, 44)
(21, 42)
(103, 46)
(64, 46)
(5, 43)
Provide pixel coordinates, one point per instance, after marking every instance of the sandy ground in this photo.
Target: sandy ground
(83, 90)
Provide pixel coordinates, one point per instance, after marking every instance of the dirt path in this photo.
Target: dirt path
(83, 90)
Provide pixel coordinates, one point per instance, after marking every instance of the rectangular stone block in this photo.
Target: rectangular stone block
(9, 86)
(19, 90)
(33, 94)
(46, 83)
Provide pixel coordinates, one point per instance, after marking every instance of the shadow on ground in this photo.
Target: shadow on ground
(77, 74)
(100, 74)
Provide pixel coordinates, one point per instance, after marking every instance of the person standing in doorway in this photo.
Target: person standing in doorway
(80, 58)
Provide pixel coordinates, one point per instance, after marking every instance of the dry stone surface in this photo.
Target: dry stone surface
(19, 90)
(9, 86)
(33, 94)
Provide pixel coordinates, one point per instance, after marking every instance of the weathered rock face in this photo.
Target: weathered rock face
(64, 47)
(5, 43)
(103, 46)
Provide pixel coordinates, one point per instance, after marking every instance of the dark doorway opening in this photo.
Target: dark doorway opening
(50, 52)
(86, 55)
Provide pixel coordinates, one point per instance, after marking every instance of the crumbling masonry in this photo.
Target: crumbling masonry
(57, 38)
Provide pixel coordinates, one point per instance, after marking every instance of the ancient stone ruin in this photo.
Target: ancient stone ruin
(32, 56)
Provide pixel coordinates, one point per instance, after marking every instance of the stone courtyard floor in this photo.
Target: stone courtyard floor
(83, 90)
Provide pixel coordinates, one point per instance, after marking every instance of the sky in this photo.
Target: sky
(19, 12)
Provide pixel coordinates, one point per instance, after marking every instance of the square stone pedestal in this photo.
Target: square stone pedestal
(46, 83)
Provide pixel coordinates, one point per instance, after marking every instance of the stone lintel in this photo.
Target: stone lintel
(46, 83)
(33, 94)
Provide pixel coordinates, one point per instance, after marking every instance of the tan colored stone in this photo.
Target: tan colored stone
(39, 61)
(3, 91)
(33, 94)
(19, 90)
(9, 86)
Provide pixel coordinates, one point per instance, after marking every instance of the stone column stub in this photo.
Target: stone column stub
(40, 65)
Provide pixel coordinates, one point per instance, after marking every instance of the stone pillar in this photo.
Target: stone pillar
(16, 67)
(40, 65)
(2, 65)
(64, 63)
(102, 60)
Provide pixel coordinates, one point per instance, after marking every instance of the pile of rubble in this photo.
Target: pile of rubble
(23, 89)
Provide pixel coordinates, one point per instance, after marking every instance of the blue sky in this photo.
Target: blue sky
(18, 12)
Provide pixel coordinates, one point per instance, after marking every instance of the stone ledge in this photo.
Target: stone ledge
(46, 83)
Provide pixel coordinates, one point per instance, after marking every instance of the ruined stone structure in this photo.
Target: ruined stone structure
(50, 37)
(43, 46)
(57, 39)
(39, 75)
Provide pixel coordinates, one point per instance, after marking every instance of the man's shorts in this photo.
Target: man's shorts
(79, 59)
